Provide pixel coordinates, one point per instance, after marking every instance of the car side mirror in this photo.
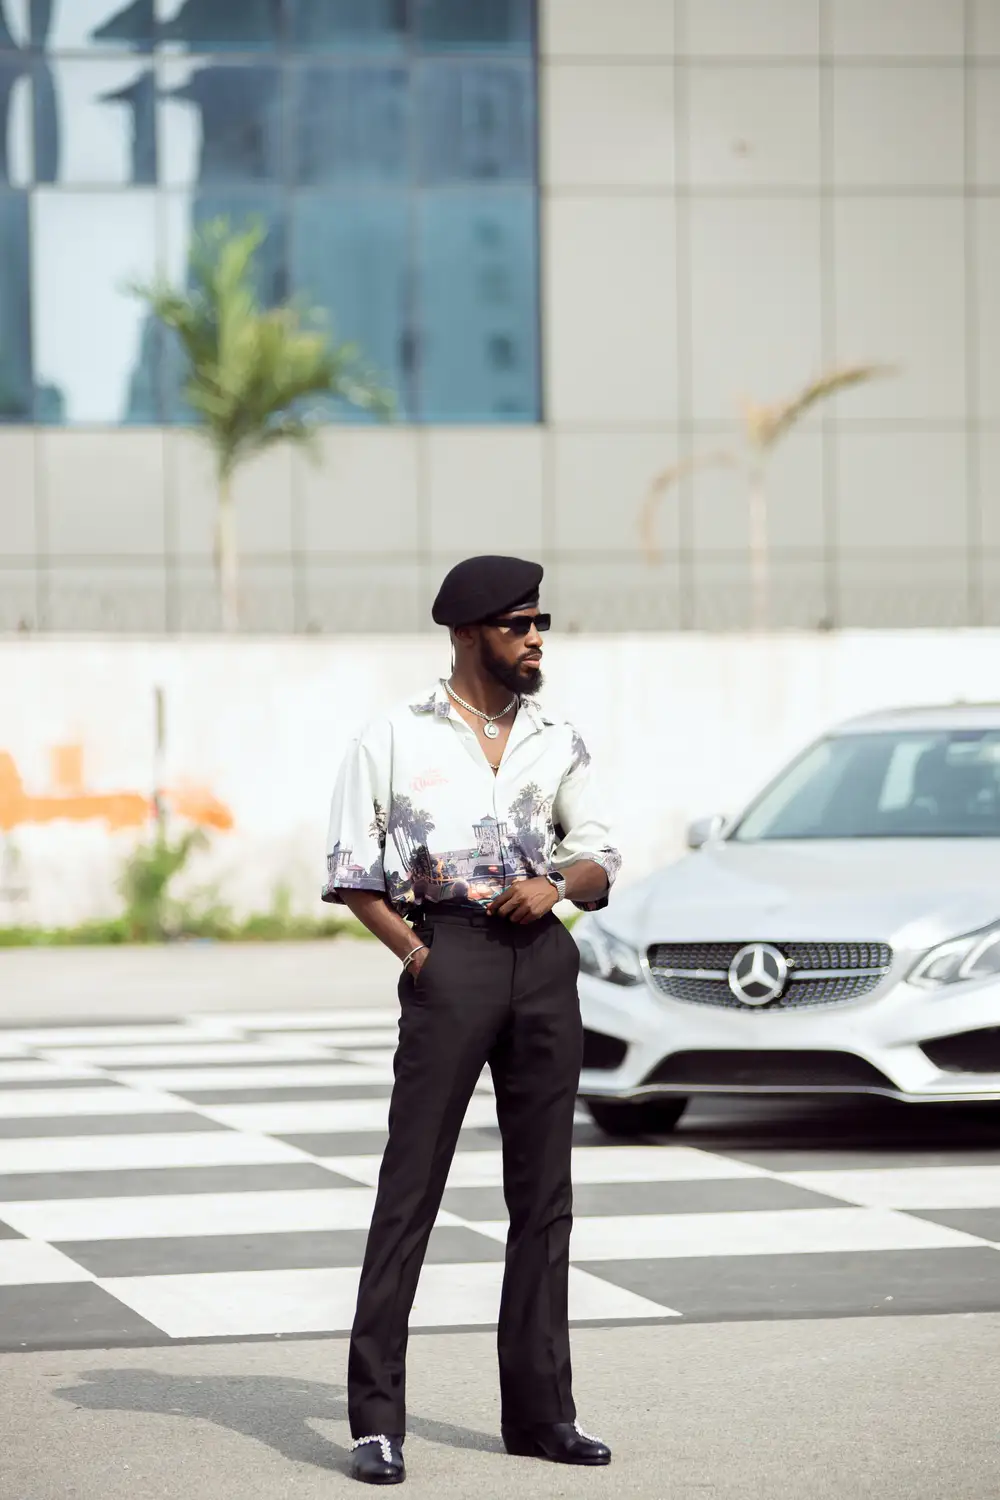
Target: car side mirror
(704, 830)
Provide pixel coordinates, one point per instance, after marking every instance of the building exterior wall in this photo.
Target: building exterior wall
(735, 194)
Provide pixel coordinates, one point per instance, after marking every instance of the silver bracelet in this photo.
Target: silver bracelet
(413, 953)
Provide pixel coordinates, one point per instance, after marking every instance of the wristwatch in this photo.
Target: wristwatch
(559, 882)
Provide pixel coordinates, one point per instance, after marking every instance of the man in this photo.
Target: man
(468, 814)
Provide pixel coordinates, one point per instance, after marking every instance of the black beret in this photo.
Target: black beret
(483, 586)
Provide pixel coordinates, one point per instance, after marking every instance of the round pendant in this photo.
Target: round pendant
(491, 731)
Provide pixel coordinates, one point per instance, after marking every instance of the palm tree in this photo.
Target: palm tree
(763, 429)
(249, 369)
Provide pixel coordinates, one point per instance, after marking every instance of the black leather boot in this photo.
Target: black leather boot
(378, 1459)
(561, 1442)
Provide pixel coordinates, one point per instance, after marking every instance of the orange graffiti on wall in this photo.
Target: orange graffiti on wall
(70, 799)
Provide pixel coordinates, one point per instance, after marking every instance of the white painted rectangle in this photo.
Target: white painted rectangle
(312, 1301)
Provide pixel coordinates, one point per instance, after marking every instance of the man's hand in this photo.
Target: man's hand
(417, 962)
(525, 900)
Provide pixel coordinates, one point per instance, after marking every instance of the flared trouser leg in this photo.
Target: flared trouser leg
(506, 995)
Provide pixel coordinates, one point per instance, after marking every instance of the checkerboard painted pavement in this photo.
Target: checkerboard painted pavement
(212, 1176)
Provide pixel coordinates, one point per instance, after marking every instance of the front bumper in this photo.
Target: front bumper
(867, 1046)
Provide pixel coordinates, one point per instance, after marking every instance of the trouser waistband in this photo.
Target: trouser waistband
(452, 911)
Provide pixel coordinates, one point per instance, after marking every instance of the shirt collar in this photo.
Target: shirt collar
(437, 702)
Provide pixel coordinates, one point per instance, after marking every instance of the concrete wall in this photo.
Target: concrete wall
(680, 725)
(735, 193)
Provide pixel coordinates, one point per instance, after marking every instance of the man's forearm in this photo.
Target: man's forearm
(586, 880)
(373, 911)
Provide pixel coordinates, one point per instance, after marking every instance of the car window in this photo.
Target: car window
(897, 789)
(919, 784)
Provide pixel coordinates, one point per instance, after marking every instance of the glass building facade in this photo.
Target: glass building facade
(387, 147)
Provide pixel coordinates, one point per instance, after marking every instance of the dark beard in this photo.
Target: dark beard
(524, 683)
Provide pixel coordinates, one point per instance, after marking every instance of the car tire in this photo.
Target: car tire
(642, 1117)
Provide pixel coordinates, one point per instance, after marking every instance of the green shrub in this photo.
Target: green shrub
(150, 914)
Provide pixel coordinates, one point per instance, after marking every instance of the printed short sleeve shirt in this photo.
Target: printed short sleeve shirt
(418, 813)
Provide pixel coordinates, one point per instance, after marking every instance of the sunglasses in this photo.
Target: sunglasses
(522, 625)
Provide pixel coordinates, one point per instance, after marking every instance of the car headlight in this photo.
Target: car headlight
(606, 957)
(975, 956)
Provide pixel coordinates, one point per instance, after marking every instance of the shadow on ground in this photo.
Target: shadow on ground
(269, 1409)
(840, 1123)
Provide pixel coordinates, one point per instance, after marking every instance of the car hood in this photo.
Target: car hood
(911, 893)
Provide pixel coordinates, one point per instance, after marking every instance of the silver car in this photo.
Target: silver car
(841, 935)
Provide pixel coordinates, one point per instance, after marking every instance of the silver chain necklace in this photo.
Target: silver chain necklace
(489, 728)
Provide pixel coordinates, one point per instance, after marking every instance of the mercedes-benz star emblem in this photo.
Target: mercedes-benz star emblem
(758, 974)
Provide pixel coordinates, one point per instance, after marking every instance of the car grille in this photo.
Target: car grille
(821, 973)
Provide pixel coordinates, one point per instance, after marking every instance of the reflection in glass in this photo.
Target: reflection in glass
(15, 310)
(341, 156)
(478, 307)
(138, 98)
(474, 25)
(220, 25)
(350, 256)
(9, 41)
(351, 124)
(85, 247)
(81, 25)
(477, 122)
(146, 401)
(106, 123)
(349, 24)
(129, 24)
(45, 115)
(15, 120)
(221, 123)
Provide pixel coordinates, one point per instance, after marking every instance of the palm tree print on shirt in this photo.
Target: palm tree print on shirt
(580, 755)
(530, 818)
(499, 851)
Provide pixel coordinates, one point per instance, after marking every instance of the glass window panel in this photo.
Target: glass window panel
(478, 290)
(349, 24)
(350, 256)
(16, 126)
(438, 288)
(351, 124)
(220, 25)
(220, 123)
(474, 25)
(16, 396)
(85, 249)
(145, 401)
(15, 26)
(477, 122)
(102, 129)
(185, 214)
(85, 25)
(45, 118)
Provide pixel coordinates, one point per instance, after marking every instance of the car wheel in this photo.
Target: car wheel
(644, 1117)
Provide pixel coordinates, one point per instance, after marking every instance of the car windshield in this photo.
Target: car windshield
(915, 784)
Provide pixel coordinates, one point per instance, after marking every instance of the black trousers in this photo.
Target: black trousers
(490, 992)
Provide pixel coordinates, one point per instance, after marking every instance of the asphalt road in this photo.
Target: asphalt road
(751, 1411)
